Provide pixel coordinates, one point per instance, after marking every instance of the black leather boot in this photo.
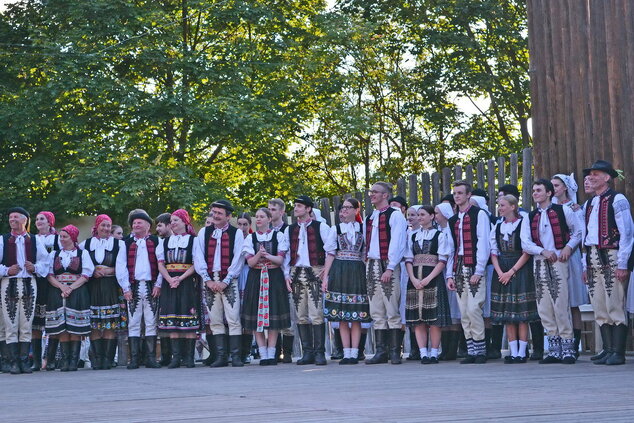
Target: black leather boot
(211, 344)
(306, 337)
(175, 347)
(235, 347)
(463, 351)
(245, 351)
(188, 345)
(537, 337)
(453, 337)
(65, 347)
(97, 347)
(25, 348)
(5, 366)
(135, 346)
(396, 339)
(166, 351)
(75, 348)
(619, 340)
(14, 358)
(37, 354)
(278, 348)
(380, 353)
(337, 346)
(319, 338)
(606, 333)
(111, 353)
(221, 352)
(287, 348)
(414, 349)
(51, 352)
(150, 359)
(110, 346)
(362, 340)
(494, 346)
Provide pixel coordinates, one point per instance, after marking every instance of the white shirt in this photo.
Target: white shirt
(142, 269)
(282, 242)
(87, 267)
(421, 235)
(200, 256)
(483, 242)
(546, 233)
(41, 258)
(48, 240)
(351, 230)
(506, 230)
(303, 256)
(100, 246)
(623, 219)
(398, 238)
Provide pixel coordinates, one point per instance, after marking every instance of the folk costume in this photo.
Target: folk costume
(303, 265)
(429, 305)
(470, 232)
(143, 274)
(218, 258)
(608, 245)
(552, 229)
(50, 241)
(18, 293)
(286, 338)
(385, 240)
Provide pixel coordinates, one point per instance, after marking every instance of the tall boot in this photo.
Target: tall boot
(287, 348)
(577, 341)
(362, 340)
(396, 340)
(619, 340)
(444, 345)
(246, 339)
(97, 347)
(5, 366)
(166, 351)
(110, 346)
(337, 346)
(150, 360)
(75, 348)
(111, 353)
(306, 337)
(414, 350)
(25, 348)
(51, 352)
(134, 343)
(278, 348)
(175, 347)
(65, 347)
(235, 346)
(453, 337)
(537, 337)
(211, 344)
(221, 351)
(14, 357)
(319, 347)
(37, 354)
(463, 350)
(494, 350)
(380, 353)
(188, 345)
(607, 335)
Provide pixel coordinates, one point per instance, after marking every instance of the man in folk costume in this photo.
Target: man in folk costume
(551, 234)
(608, 243)
(21, 258)
(470, 229)
(302, 269)
(218, 260)
(386, 241)
(143, 274)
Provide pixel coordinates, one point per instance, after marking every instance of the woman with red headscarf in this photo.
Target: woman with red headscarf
(179, 303)
(46, 236)
(108, 255)
(68, 305)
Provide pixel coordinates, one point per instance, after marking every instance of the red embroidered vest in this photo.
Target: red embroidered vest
(227, 242)
(151, 243)
(385, 232)
(316, 253)
(609, 235)
(557, 219)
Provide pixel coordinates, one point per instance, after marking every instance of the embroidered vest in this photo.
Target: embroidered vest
(469, 236)
(74, 267)
(385, 231)
(227, 241)
(151, 242)
(109, 257)
(557, 219)
(609, 235)
(10, 257)
(316, 253)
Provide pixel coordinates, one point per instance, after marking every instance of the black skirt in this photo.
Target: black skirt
(105, 309)
(516, 301)
(279, 315)
(180, 307)
(429, 305)
(39, 317)
(70, 314)
(347, 297)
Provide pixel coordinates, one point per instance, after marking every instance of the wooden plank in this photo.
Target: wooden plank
(425, 184)
(501, 172)
(368, 207)
(491, 184)
(469, 174)
(336, 203)
(325, 210)
(413, 189)
(513, 169)
(480, 176)
(457, 172)
(435, 187)
(400, 188)
(446, 181)
(527, 178)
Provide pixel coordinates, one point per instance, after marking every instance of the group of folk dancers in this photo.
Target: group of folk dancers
(429, 269)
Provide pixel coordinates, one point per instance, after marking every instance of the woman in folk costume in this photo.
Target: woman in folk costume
(427, 304)
(109, 259)
(68, 305)
(46, 236)
(266, 305)
(344, 283)
(513, 286)
(566, 195)
(413, 225)
(179, 303)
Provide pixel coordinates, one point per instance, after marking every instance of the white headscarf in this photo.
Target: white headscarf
(571, 185)
(416, 207)
(318, 216)
(481, 202)
(446, 210)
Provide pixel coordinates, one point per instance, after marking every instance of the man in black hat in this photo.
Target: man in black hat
(608, 243)
(21, 258)
(145, 286)
(400, 203)
(218, 260)
(303, 266)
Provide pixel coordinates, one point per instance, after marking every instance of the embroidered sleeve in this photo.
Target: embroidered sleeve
(87, 266)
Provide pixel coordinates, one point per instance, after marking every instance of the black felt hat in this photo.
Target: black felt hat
(141, 214)
(305, 200)
(23, 212)
(399, 199)
(223, 204)
(603, 166)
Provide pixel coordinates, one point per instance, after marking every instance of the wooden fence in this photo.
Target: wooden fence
(428, 188)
